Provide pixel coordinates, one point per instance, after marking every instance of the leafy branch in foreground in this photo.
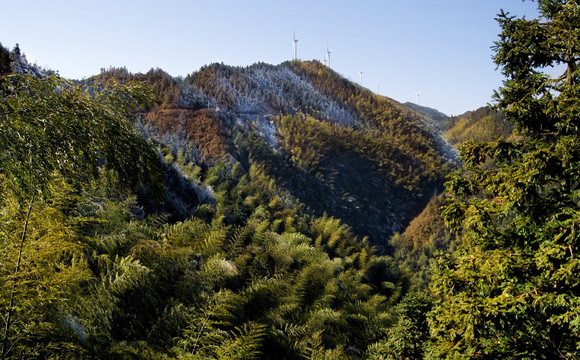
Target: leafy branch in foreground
(511, 290)
(50, 128)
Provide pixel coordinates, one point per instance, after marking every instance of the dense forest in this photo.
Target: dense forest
(483, 124)
(326, 134)
(284, 212)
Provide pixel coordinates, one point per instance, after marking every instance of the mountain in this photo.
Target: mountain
(483, 124)
(235, 213)
(334, 146)
(433, 117)
(186, 227)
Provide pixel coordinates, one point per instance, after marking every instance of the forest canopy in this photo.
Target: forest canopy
(511, 288)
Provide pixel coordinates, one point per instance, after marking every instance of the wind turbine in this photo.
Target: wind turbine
(327, 56)
(295, 43)
(360, 74)
(417, 94)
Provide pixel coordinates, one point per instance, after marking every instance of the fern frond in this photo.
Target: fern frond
(243, 343)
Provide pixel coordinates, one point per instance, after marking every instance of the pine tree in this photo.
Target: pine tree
(511, 290)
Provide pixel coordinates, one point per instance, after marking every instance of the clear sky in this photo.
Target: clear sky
(438, 48)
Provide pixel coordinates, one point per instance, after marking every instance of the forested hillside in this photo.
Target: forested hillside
(96, 264)
(269, 212)
(484, 124)
(337, 148)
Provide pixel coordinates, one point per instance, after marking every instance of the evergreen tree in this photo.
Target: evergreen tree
(5, 62)
(511, 290)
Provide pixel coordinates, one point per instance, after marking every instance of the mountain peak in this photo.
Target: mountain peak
(333, 145)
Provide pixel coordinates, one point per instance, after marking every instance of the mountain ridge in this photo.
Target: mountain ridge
(325, 134)
(337, 147)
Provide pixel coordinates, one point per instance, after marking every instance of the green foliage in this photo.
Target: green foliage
(408, 338)
(510, 290)
(49, 125)
(484, 124)
(423, 241)
(52, 270)
(55, 137)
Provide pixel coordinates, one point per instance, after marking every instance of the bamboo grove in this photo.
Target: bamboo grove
(283, 212)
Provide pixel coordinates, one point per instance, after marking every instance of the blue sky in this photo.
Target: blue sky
(439, 48)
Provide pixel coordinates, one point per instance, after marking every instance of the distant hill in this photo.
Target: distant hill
(434, 118)
(483, 124)
(333, 145)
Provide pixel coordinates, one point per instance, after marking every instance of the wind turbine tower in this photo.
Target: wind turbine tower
(417, 94)
(360, 74)
(327, 56)
(295, 44)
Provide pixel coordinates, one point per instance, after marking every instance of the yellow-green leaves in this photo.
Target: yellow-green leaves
(52, 126)
(510, 290)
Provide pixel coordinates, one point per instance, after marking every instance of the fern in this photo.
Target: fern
(172, 320)
(212, 244)
(239, 239)
(186, 233)
(125, 274)
(314, 349)
(243, 343)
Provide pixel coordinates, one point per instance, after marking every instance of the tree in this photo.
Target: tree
(5, 62)
(407, 338)
(51, 129)
(512, 288)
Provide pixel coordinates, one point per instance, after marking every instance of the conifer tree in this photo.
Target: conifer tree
(512, 290)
